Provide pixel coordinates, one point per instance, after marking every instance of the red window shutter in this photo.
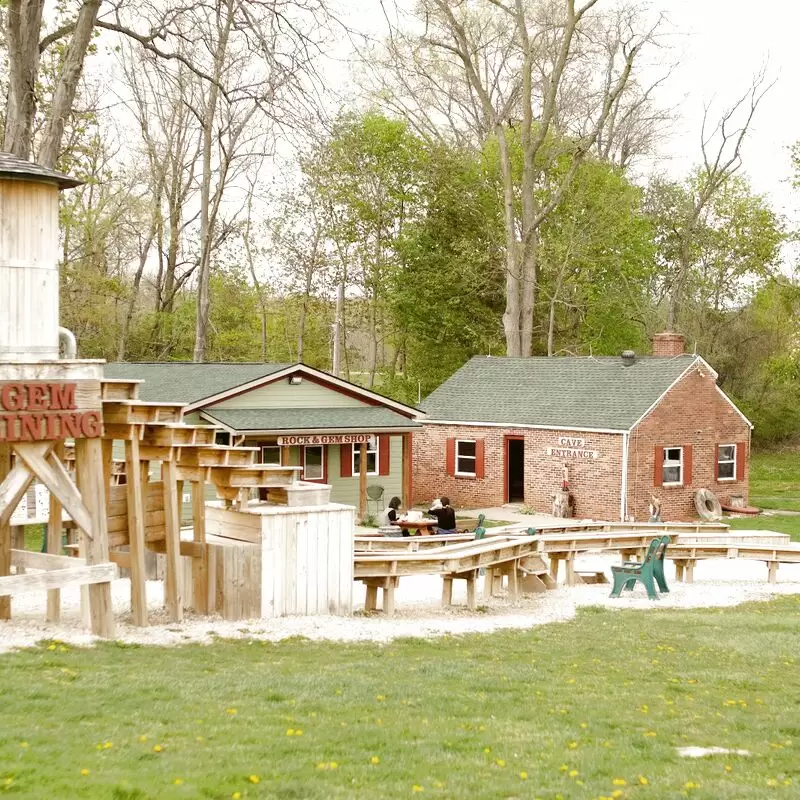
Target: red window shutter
(716, 462)
(687, 465)
(384, 453)
(346, 460)
(479, 458)
(658, 467)
(741, 452)
(450, 457)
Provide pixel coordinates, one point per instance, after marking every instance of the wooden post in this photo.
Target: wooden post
(772, 573)
(89, 470)
(54, 534)
(362, 483)
(447, 591)
(472, 579)
(200, 565)
(172, 528)
(5, 535)
(136, 533)
(407, 497)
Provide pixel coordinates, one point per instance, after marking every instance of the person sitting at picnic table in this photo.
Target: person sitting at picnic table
(391, 513)
(445, 515)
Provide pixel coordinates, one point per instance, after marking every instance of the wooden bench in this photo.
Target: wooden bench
(650, 571)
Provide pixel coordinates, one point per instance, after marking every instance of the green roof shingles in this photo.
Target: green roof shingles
(367, 418)
(571, 392)
(188, 382)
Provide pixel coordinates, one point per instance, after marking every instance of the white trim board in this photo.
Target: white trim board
(617, 431)
(264, 380)
(310, 431)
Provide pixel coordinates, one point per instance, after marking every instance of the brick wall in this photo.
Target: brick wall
(691, 413)
(595, 483)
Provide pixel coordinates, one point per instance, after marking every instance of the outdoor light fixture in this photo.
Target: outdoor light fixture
(295, 380)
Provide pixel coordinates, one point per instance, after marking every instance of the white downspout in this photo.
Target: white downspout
(67, 338)
(623, 497)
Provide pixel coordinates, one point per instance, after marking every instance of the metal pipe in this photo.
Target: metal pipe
(67, 338)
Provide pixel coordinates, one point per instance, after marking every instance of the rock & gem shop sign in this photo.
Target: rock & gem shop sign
(43, 411)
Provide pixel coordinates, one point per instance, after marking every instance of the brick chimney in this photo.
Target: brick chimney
(669, 344)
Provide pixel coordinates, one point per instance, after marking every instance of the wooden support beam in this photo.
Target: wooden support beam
(5, 533)
(362, 483)
(96, 575)
(49, 469)
(447, 591)
(136, 521)
(15, 483)
(55, 530)
(200, 565)
(32, 560)
(89, 471)
(406, 493)
(172, 525)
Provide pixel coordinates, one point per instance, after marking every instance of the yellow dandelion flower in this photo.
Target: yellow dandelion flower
(254, 778)
(51, 647)
(236, 796)
(584, 725)
(417, 788)
(438, 785)
(178, 781)
(650, 733)
(787, 781)
(500, 762)
(107, 745)
(573, 773)
(487, 749)
(143, 738)
(8, 781)
(728, 768)
(157, 748)
(564, 767)
(84, 772)
(24, 745)
(290, 732)
(380, 698)
(523, 776)
(619, 782)
(617, 793)
(374, 760)
(643, 781)
(689, 785)
(772, 782)
(333, 765)
(231, 711)
(322, 765)
(573, 745)
(298, 732)
(199, 739)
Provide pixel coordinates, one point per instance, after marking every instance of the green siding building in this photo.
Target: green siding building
(297, 416)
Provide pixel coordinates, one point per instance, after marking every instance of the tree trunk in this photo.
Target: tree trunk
(338, 326)
(24, 24)
(67, 85)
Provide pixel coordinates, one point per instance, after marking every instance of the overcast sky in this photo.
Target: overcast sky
(719, 45)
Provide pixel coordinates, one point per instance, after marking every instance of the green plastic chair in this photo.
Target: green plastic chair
(531, 531)
(626, 575)
(658, 566)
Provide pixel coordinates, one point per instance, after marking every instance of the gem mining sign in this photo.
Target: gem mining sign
(43, 411)
(572, 449)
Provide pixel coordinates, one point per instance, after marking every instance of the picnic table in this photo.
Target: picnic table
(421, 526)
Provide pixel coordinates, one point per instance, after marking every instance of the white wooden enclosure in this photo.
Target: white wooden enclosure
(29, 270)
(280, 560)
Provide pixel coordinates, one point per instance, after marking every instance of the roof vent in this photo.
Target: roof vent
(628, 358)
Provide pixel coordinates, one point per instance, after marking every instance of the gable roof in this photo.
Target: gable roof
(186, 381)
(561, 392)
(199, 385)
(310, 420)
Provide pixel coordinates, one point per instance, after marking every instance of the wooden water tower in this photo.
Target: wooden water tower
(45, 400)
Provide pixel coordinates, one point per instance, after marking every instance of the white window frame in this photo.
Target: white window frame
(321, 448)
(272, 447)
(727, 461)
(474, 458)
(370, 450)
(665, 464)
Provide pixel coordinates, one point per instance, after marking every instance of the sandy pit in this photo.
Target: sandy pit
(718, 582)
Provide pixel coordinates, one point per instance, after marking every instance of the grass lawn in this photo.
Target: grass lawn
(775, 480)
(778, 522)
(586, 709)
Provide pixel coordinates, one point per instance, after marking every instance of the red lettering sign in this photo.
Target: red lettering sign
(44, 411)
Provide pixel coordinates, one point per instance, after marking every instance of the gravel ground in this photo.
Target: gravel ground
(718, 582)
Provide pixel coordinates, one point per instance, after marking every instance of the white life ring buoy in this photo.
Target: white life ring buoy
(707, 505)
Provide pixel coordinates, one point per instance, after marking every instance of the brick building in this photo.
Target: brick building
(501, 430)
